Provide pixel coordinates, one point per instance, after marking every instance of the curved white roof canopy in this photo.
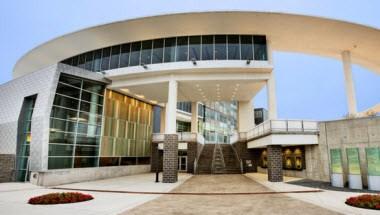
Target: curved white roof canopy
(287, 32)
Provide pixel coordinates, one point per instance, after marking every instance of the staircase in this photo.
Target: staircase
(204, 163)
(231, 161)
(218, 159)
(218, 165)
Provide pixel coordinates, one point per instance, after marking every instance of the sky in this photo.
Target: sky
(307, 87)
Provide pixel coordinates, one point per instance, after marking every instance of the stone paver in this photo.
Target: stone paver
(229, 204)
(14, 196)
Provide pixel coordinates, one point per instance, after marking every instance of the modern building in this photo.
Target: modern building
(175, 93)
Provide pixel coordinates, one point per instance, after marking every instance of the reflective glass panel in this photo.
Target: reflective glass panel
(89, 61)
(66, 102)
(115, 54)
(169, 52)
(194, 48)
(182, 49)
(59, 162)
(68, 90)
(97, 60)
(260, 47)
(124, 56)
(246, 47)
(158, 50)
(134, 59)
(233, 47)
(80, 162)
(106, 59)
(207, 47)
(82, 61)
(60, 150)
(146, 52)
(220, 47)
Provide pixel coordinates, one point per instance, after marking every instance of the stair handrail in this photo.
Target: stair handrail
(197, 158)
(239, 159)
(213, 157)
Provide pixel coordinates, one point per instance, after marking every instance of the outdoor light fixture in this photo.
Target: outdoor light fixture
(144, 66)
(194, 61)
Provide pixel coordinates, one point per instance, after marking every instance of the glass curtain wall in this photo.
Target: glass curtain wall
(219, 122)
(24, 137)
(75, 123)
(174, 49)
(127, 131)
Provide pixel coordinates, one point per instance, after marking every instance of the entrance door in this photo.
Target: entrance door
(182, 163)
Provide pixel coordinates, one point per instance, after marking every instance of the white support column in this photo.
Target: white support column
(171, 108)
(162, 119)
(349, 83)
(246, 116)
(271, 97)
(194, 117)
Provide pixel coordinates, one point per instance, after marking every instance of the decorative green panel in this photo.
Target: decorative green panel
(373, 161)
(353, 161)
(336, 161)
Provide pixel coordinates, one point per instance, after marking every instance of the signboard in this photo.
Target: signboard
(373, 161)
(336, 161)
(353, 161)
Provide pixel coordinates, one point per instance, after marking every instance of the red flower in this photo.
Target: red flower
(365, 201)
(60, 198)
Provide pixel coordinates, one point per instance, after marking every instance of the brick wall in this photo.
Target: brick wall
(247, 155)
(170, 159)
(191, 155)
(7, 167)
(275, 163)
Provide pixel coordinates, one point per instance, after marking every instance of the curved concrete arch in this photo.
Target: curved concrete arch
(286, 32)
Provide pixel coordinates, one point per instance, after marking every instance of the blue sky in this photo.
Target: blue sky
(308, 87)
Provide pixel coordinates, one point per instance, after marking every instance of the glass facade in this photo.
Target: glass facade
(219, 122)
(75, 123)
(184, 106)
(127, 131)
(77, 137)
(174, 49)
(24, 137)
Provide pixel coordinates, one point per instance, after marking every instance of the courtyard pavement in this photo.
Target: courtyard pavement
(14, 196)
(227, 204)
(199, 194)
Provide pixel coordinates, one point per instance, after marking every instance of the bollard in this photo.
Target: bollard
(157, 173)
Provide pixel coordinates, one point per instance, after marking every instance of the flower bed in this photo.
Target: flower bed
(365, 201)
(59, 198)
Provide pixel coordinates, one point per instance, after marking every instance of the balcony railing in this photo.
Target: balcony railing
(283, 127)
(182, 137)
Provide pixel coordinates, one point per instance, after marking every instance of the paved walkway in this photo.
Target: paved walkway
(14, 196)
(234, 204)
(333, 200)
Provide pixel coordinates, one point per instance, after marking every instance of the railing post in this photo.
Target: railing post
(302, 128)
(287, 126)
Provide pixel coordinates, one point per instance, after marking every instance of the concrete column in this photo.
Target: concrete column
(170, 159)
(194, 117)
(275, 163)
(271, 97)
(171, 108)
(349, 83)
(170, 156)
(246, 116)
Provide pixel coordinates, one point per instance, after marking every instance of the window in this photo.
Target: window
(106, 59)
(182, 49)
(97, 60)
(158, 51)
(169, 52)
(89, 61)
(233, 47)
(115, 54)
(260, 47)
(124, 55)
(146, 52)
(134, 59)
(207, 47)
(194, 48)
(220, 47)
(246, 47)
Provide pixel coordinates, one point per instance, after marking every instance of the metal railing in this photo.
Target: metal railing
(283, 126)
(182, 136)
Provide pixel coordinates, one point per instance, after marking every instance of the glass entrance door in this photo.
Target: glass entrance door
(182, 163)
